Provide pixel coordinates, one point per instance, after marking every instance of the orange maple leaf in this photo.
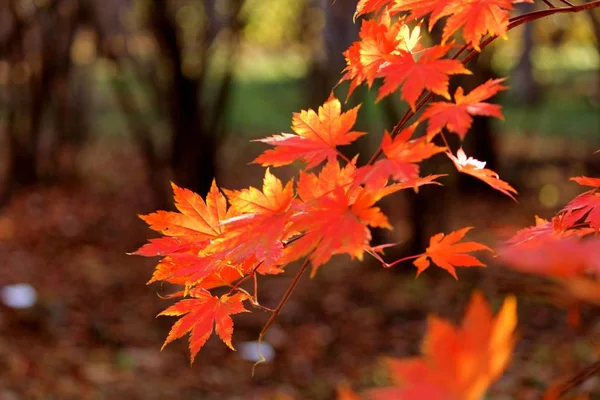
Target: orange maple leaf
(380, 39)
(189, 234)
(316, 136)
(197, 220)
(476, 168)
(333, 216)
(456, 117)
(457, 363)
(429, 72)
(259, 228)
(401, 156)
(447, 253)
(201, 315)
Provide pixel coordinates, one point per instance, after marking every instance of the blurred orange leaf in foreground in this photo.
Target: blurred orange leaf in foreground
(458, 362)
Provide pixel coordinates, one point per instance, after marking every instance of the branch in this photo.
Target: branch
(556, 391)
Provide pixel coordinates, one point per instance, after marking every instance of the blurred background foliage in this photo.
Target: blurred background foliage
(103, 102)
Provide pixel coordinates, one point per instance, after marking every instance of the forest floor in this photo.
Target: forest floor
(93, 333)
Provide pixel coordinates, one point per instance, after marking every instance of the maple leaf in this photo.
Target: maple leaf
(257, 232)
(570, 261)
(189, 234)
(587, 181)
(333, 216)
(456, 117)
(476, 168)
(586, 207)
(559, 226)
(554, 256)
(457, 363)
(429, 72)
(380, 40)
(332, 175)
(401, 156)
(330, 227)
(201, 315)
(197, 220)
(316, 136)
(447, 253)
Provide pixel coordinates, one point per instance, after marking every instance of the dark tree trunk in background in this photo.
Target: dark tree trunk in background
(523, 84)
(338, 34)
(193, 150)
(197, 125)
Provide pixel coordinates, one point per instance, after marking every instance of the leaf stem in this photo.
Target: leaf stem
(277, 310)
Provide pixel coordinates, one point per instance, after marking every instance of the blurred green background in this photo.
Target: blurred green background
(103, 103)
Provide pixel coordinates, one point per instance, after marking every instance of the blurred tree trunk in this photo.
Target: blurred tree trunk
(196, 125)
(339, 32)
(524, 85)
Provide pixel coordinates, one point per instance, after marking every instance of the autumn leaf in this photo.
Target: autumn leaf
(428, 72)
(553, 256)
(447, 253)
(570, 261)
(401, 158)
(330, 227)
(316, 136)
(201, 315)
(561, 226)
(458, 363)
(586, 207)
(259, 228)
(587, 181)
(379, 40)
(456, 117)
(477, 169)
(333, 216)
(196, 220)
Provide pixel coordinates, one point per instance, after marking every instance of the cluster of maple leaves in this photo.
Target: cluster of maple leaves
(232, 236)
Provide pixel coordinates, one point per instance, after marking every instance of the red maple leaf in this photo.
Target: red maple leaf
(456, 117)
(447, 253)
(401, 156)
(587, 181)
(561, 226)
(457, 362)
(586, 206)
(475, 168)
(316, 136)
(201, 315)
(429, 71)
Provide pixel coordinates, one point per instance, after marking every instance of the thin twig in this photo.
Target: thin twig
(576, 380)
